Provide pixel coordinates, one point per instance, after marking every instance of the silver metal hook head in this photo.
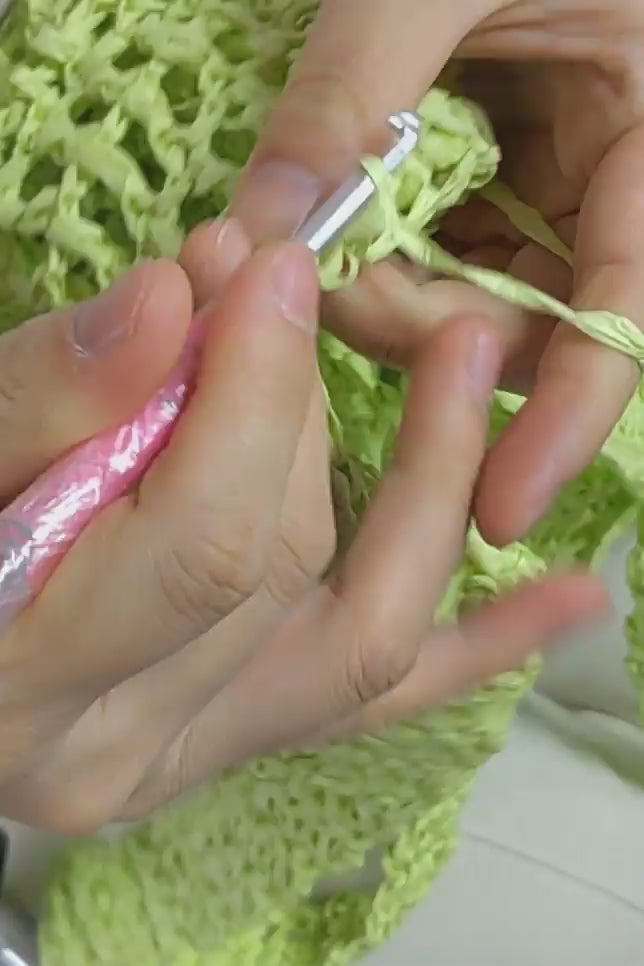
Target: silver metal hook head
(407, 126)
(328, 222)
(404, 120)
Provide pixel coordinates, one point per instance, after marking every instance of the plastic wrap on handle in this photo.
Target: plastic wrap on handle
(40, 526)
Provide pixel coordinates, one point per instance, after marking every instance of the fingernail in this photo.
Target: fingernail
(231, 244)
(104, 321)
(212, 254)
(276, 199)
(483, 363)
(295, 283)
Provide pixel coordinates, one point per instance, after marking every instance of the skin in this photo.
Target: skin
(564, 84)
(190, 627)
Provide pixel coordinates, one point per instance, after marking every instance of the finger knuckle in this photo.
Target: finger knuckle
(377, 662)
(175, 774)
(342, 119)
(154, 792)
(301, 562)
(208, 574)
(162, 786)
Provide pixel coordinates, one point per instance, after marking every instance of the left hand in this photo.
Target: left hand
(564, 85)
(571, 149)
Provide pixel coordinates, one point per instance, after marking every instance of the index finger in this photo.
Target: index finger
(363, 60)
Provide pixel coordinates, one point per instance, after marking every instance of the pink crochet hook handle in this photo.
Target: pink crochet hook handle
(41, 525)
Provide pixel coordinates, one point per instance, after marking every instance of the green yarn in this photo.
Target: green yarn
(123, 123)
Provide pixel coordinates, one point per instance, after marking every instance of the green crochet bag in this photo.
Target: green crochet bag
(123, 123)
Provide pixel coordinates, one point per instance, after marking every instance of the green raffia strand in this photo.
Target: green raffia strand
(122, 124)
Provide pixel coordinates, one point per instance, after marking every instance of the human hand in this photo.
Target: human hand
(178, 560)
(189, 628)
(564, 87)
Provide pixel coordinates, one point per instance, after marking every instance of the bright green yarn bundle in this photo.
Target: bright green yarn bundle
(122, 124)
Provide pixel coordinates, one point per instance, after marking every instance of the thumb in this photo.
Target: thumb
(363, 60)
(69, 375)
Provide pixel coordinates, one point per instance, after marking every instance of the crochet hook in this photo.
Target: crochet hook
(38, 528)
(333, 217)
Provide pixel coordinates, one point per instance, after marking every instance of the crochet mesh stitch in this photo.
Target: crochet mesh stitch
(122, 124)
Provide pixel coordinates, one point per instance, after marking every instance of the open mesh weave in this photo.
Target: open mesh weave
(123, 123)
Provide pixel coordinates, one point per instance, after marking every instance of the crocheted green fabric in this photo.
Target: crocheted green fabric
(122, 124)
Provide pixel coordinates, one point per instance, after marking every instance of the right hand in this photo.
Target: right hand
(190, 628)
(563, 83)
